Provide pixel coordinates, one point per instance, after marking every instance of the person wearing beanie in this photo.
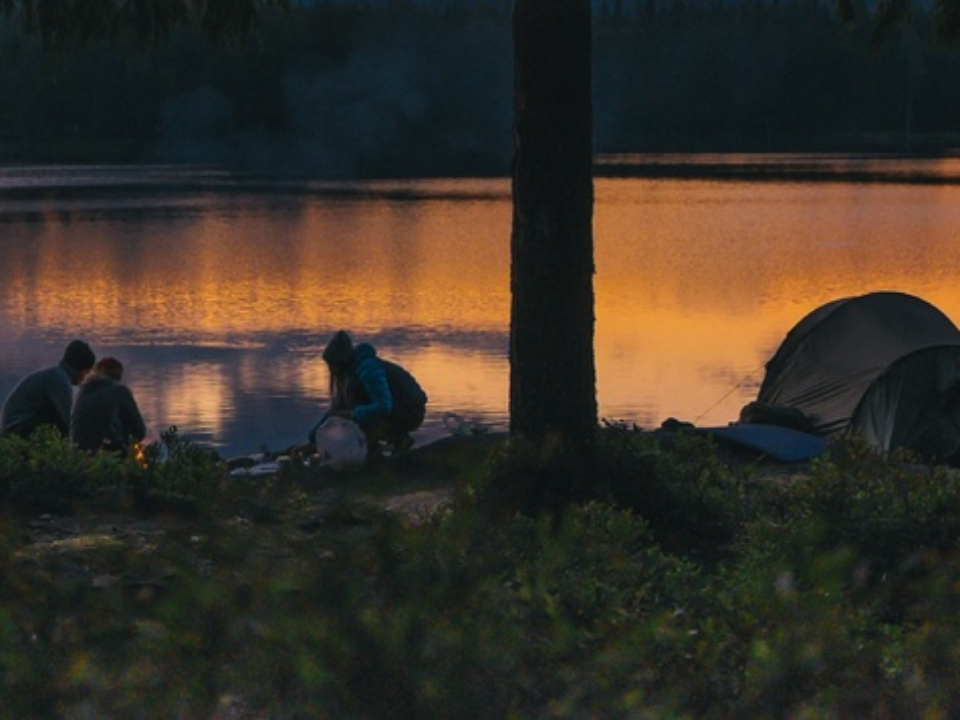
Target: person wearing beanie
(382, 397)
(105, 413)
(45, 397)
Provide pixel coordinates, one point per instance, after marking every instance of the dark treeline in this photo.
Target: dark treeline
(780, 76)
(341, 90)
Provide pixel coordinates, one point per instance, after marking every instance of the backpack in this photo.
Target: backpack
(404, 389)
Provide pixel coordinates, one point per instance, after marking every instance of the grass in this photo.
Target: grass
(683, 584)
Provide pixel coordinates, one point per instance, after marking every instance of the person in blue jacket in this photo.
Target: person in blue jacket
(380, 396)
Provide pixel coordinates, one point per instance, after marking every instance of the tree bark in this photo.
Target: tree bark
(552, 374)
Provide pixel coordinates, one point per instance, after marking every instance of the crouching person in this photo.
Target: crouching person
(383, 398)
(105, 414)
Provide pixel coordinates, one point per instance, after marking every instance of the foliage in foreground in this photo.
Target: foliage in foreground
(834, 594)
(47, 472)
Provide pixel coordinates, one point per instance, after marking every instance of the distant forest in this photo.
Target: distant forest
(401, 88)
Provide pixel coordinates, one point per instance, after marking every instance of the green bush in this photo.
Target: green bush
(835, 596)
(847, 587)
(678, 481)
(48, 472)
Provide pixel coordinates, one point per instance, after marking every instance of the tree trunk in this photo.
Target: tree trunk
(552, 375)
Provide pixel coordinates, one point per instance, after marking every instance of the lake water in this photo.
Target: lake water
(218, 292)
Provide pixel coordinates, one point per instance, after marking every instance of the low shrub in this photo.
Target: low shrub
(48, 472)
(678, 481)
(835, 596)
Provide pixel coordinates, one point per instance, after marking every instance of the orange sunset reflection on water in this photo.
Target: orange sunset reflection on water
(697, 283)
(366, 265)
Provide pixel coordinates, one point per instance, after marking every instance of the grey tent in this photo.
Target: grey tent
(883, 366)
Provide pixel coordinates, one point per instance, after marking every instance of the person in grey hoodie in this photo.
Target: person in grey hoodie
(105, 413)
(45, 397)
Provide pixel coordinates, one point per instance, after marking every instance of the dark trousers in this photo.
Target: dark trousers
(403, 420)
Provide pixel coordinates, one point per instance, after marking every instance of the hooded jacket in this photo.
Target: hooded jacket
(105, 415)
(371, 392)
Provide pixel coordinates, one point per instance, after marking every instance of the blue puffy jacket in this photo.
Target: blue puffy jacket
(369, 371)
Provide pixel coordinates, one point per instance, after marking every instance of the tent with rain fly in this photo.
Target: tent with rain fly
(883, 366)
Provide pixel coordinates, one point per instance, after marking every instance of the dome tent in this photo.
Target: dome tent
(883, 366)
